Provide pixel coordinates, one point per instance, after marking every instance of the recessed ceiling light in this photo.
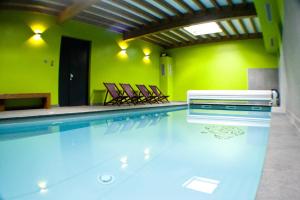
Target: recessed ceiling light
(203, 29)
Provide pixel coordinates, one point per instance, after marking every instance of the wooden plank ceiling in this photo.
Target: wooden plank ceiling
(156, 21)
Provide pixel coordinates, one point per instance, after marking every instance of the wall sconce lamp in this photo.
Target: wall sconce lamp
(146, 59)
(123, 54)
(37, 36)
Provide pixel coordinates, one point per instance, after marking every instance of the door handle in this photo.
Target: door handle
(71, 76)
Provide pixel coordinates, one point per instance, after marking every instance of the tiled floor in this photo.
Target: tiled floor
(281, 174)
(77, 109)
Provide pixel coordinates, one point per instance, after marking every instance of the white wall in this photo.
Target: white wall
(291, 49)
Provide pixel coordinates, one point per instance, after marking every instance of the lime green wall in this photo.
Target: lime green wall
(217, 65)
(26, 66)
(271, 29)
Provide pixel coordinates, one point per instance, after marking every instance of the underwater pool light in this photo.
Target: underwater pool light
(43, 186)
(124, 161)
(201, 184)
(146, 153)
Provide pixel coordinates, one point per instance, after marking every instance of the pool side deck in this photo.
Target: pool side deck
(281, 174)
(13, 114)
(280, 179)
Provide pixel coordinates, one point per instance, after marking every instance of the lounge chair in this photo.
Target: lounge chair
(133, 97)
(159, 94)
(117, 96)
(148, 96)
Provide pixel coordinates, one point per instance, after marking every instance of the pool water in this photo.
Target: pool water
(175, 154)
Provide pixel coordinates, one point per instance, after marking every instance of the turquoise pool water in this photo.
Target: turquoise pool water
(175, 154)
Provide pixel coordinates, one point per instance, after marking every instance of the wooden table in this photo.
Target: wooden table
(46, 97)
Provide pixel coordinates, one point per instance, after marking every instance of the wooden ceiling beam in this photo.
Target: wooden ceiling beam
(209, 37)
(99, 11)
(185, 6)
(134, 9)
(233, 28)
(152, 8)
(154, 42)
(161, 37)
(223, 39)
(175, 32)
(216, 5)
(174, 40)
(121, 12)
(253, 25)
(158, 39)
(180, 39)
(244, 28)
(244, 2)
(199, 17)
(28, 7)
(229, 2)
(74, 9)
(103, 23)
(169, 7)
(187, 34)
(199, 4)
(112, 18)
(223, 29)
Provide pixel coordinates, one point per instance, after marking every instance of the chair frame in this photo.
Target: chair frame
(134, 98)
(161, 97)
(148, 96)
(118, 99)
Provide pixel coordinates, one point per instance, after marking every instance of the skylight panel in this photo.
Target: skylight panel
(203, 29)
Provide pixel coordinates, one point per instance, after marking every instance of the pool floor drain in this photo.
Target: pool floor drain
(106, 179)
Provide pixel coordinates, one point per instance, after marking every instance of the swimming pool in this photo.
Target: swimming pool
(163, 154)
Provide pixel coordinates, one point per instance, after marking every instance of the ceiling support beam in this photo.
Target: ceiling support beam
(169, 7)
(185, 6)
(220, 39)
(243, 26)
(253, 25)
(74, 9)
(233, 28)
(187, 34)
(229, 2)
(199, 4)
(133, 9)
(215, 3)
(174, 35)
(199, 17)
(152, 8)
(154, 42)
(161, 40)
(227, 34)
(175, 32)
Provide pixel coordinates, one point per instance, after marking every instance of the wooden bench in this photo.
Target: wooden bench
(44, 96)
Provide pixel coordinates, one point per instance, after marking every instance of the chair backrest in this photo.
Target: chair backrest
(112, 89)
(155, 90)
(144, 90)
(128, 89)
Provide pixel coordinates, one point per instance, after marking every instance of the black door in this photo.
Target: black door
(74, 72)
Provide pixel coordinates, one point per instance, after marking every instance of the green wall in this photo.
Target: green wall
(272, 30)
(25, 66)
(220, 66)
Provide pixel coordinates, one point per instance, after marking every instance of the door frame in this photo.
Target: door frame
(89, 42)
